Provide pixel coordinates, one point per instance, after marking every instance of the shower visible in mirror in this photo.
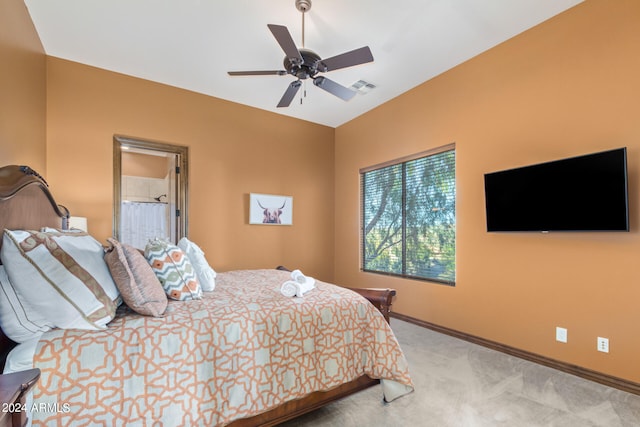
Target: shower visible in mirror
(150, 191)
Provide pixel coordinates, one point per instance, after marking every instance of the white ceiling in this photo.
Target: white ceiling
(191, 44)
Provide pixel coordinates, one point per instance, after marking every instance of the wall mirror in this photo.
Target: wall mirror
(150, 183)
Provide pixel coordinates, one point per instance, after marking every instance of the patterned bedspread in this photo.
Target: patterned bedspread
(241, 350)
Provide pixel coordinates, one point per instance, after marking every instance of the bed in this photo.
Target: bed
(241, 355)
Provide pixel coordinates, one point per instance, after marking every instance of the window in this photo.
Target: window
(409, 217)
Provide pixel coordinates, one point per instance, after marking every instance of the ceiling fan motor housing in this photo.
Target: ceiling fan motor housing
(308, 68)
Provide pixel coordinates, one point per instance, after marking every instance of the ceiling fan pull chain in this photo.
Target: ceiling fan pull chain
(304, 91)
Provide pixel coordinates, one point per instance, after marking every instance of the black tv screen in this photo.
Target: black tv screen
(585, 193)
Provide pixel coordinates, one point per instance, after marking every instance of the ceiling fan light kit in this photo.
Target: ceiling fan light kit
(305, 64)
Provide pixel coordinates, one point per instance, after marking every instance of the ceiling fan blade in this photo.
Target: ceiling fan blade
(334, 88)
(258, 73)
(347, 59)
(284, 39)
(289, 94)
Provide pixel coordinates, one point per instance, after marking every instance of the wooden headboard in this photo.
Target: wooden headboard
(25, 204)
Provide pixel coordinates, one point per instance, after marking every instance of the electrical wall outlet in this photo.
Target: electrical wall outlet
(603, 344)
(561, 334)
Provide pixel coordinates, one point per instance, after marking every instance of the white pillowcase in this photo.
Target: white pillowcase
(18, 320)
(62, 276)
(206, 274)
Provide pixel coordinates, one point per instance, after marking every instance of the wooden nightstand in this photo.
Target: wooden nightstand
(13, 391)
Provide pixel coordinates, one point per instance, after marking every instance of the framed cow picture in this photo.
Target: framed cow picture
(270, 209)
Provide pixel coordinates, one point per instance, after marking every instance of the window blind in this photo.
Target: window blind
(408, 217)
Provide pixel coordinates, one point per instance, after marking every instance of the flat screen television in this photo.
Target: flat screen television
(584, 193)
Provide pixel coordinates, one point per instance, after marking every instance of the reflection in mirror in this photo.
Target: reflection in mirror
(150, 191)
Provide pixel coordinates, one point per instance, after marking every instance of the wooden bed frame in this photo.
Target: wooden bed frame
(26, 203)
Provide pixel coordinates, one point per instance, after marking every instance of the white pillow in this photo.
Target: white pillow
(63, 276)
(206, 274)
(17, 319)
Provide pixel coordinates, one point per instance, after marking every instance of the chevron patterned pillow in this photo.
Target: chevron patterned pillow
(174, 270)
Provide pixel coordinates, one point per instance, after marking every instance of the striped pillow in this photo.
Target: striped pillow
(174, 270)
(62, 276)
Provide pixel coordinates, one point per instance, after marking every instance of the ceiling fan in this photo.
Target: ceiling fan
(306, 64)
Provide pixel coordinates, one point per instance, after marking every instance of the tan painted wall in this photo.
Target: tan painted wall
(22, 89)
(234, 150)
(567, 87)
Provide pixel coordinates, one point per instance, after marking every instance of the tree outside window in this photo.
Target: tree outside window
(409, 217)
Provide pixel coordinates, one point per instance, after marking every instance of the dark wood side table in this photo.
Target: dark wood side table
(13, 391)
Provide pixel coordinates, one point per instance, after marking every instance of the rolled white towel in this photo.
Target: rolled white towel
(303, 288)
(291, 288)
(297, 276)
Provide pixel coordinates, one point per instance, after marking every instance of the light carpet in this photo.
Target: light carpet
(460, 384)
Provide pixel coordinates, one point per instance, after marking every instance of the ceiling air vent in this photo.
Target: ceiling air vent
(363, 87)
